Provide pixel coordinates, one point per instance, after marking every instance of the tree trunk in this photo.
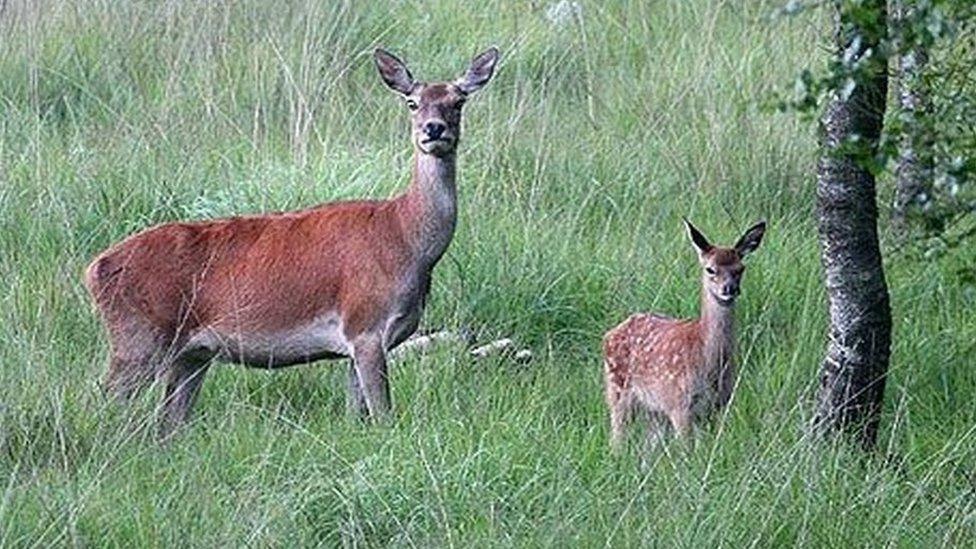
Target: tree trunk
(913, 170)
(853, 371)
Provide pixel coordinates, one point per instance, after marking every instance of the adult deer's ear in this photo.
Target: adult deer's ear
(394, 72)
(751, 239)
(702, 245)
(480, 71)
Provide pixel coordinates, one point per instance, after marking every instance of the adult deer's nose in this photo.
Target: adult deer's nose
(730, 288)
(434, 130)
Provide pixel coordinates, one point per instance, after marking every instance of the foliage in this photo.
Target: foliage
(943, 129)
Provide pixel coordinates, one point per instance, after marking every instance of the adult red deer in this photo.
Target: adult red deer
(678, 370)
(343, 279)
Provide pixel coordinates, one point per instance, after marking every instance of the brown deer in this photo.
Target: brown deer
(679, 370)
(343, 279)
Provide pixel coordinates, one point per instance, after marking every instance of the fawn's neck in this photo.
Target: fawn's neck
(429, 206)
(718, 337)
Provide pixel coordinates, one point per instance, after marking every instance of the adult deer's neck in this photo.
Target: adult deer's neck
(429, 207)
(718, 332)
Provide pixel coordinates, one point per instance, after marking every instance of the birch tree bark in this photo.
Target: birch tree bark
(853, 371)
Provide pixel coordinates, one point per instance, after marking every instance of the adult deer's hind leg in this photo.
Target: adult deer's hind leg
(184, 378)
(135, 357)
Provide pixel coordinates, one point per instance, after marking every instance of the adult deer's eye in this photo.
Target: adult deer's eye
(411, 104)
(710, 271)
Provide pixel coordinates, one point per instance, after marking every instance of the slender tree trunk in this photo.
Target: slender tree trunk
(853, 371)
(913, 171)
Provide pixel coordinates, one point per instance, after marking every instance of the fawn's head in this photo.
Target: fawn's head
(435, 109)
(722, 267)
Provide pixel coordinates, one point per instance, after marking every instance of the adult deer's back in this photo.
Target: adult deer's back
(345, 279)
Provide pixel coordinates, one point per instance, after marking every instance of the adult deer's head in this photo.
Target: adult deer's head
(435, 109)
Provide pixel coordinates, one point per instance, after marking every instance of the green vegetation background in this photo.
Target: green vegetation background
(602, 127)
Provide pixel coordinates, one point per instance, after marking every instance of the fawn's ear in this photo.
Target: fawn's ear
(480, 71)
(394, 72)
(702, 245)
(751, 239)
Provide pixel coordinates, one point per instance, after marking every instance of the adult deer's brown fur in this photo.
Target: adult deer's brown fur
(344, 279)
(678, 370)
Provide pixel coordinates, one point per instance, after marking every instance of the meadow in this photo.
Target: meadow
(602, 127)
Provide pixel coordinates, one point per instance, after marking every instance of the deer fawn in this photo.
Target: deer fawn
(679, 370)
(343, 279)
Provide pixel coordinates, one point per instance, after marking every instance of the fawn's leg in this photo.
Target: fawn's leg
(658, 426)
(618, 402)
(657, 431)
(620, 412)
(681, 420)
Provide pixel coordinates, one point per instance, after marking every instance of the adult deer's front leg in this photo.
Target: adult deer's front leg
(369, 360)
(355, 399)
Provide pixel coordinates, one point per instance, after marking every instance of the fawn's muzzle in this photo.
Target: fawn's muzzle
(730, 289)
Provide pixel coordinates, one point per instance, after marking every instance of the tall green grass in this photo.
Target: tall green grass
(578, 160)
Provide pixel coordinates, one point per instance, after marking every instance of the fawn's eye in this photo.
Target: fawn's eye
(710, 271)
(411, 104)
